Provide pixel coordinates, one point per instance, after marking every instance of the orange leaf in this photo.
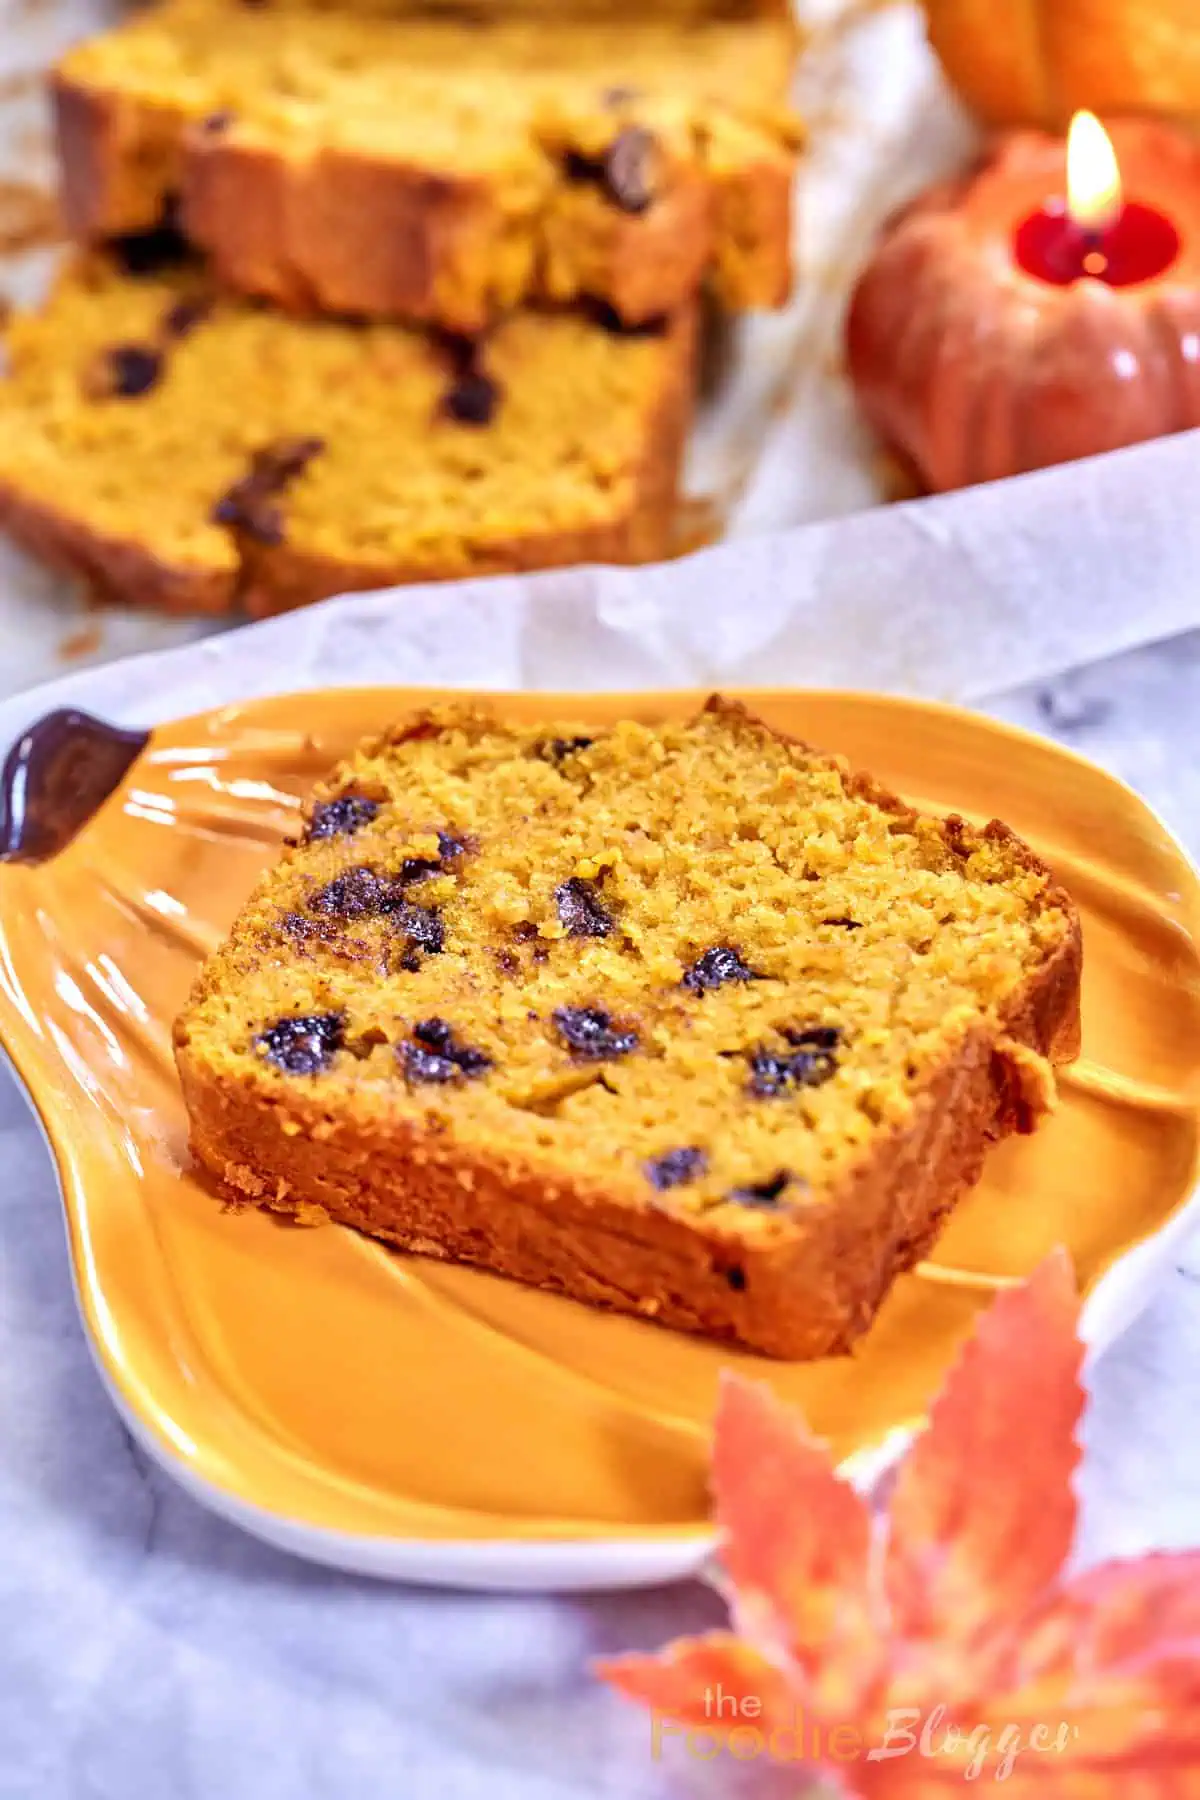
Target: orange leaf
(1104, 1701)
(982, 1514)
(797, 1541)
(705, 1683)
(957, 1655)
(1121, 1643)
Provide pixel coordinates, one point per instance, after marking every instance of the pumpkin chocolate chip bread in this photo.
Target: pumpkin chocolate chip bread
(688, 1021)
(342, 160)
(194, 453)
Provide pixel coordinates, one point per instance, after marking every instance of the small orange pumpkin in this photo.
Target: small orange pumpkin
(1035, 62)
(970, 369)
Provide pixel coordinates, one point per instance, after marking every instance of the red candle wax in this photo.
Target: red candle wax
(1140, 245)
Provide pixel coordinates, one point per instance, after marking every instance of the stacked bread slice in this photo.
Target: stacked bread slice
(438, 276)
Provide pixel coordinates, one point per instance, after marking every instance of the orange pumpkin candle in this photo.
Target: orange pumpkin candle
(1044, 307)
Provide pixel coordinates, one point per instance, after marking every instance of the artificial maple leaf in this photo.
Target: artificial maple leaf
(940, 1638)
(798, 1575)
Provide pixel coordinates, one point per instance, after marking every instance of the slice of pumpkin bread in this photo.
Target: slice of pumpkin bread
(198, 454)
(687, 1021)
(344, 160)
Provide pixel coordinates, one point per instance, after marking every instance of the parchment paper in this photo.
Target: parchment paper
(816, 583)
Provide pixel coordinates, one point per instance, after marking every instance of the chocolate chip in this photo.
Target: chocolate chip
(282, 461)
(472, 398)
(303, 1046)
(301, 928)
(581, 169)
(180, 320)
(508, 962)
(813, 1037)
(435, 1055)
(460, 350)
(808, 1064)
(216, 123)
(132, 370)
(606, 316)
(437, 1034)
(590, 1033)
(250, 514)
(417, 868)
(675, 1168)
(846, 924)
(630, 167)
(426, 1066)
(424, 928)
(715, 967)
(736, 1278)
(556, 750)
(626, 171)
(363, 893)
(762, 1193)
(581, 909)
(450, 849)
(249, 505)
(341, 817)
(153, 252)
(358, 893)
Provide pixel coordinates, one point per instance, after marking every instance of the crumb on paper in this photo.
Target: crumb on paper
(1066, 709)
(85, 642)
(29, 218)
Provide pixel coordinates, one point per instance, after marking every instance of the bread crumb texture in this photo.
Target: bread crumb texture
(700, 965)
(343, 157)
(193, 452)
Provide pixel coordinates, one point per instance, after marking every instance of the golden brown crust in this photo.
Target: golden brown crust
(117, 570)
(342, 233)
(116, 164)
(262, 580)
(806, 1290)
(346, 232)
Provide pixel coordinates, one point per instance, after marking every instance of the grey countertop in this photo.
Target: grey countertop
(148, 1649)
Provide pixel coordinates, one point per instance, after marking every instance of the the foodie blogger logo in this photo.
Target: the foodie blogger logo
(981, 1752)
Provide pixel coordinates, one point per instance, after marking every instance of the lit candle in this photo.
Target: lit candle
(1095, 232)
(1044, 307)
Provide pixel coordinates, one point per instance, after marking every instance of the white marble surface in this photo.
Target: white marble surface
(149, 1650)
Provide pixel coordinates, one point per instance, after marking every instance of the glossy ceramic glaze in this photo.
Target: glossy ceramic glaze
(973, 369)
(310, 1378)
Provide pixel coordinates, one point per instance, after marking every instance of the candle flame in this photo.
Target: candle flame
(1094, 197)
